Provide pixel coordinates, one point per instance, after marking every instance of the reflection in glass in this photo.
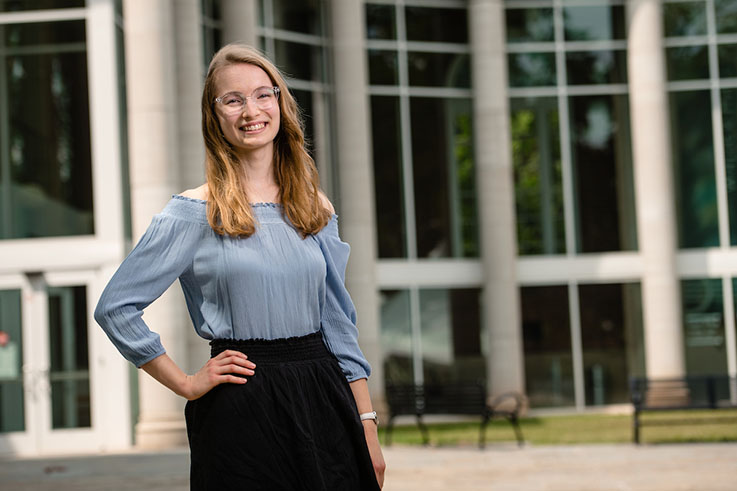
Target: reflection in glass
(18, 5)
(546, 335)
(602, 166)
(703, 326)
(212, 31)
(729, 123)
(451, 336)
(694, 174)
(439, 69)
(443, 177)
(303, 16)
(687, 62)
(304, 100)
(594, 23)
(46, 121)
(727, 60)
(388, 179)
(612, 340)
(537, 176)
(531, 69)
(726, 16)
(529, 25)
(11, 360)
(596, 67)
(436, 24)
(69, 373)
(296, 60)
(380, 22)
(685, 18)
(396, 336)
(382, 67)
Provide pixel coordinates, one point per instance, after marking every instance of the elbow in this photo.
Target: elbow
(102, 312)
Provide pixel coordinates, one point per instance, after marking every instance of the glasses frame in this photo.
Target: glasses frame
(219, 100)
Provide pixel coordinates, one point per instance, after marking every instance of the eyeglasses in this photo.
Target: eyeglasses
(234, 102)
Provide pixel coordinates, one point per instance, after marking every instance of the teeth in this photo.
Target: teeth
(254, 127)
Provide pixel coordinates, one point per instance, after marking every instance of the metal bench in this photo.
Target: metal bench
(452, 399)
(684, 393)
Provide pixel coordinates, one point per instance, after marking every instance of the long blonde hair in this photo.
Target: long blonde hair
(228, 210)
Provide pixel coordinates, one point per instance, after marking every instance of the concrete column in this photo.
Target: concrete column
(655, 201)
(154, 176)
(355, 177)
(189, 80)
(494, 171)
(240, 20)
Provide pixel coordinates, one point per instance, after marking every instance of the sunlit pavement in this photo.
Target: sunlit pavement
(702, 467)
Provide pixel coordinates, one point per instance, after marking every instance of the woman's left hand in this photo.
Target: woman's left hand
(377, 458)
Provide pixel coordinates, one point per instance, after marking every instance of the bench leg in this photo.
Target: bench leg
(514, 421)
(482, 430)
(636, 427)
(423, 430)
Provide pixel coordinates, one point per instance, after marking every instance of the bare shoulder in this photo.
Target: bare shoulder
(196, 193)
(326, 202)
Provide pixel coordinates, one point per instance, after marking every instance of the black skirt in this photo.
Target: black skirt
(293, 426)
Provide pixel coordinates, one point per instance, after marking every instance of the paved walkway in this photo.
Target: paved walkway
(698, 467)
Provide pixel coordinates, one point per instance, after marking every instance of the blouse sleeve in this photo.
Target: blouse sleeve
(338, 315)
(165, 251)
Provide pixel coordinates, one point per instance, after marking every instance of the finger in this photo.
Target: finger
(232, 368)
(230, 352)
(232, 379)
(236, 360)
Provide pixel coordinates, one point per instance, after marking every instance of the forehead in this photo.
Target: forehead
(241, 77)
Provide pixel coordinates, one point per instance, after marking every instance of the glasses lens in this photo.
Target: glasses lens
(232, 103)
(264, 97)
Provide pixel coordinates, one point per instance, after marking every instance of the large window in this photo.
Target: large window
(570, 127)
(581, 355)
(432, 336)
(700, 52)
(45, 160)
(424, 176)
(293, 35)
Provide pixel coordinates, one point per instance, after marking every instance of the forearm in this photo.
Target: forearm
(163, 369)
(361, 395)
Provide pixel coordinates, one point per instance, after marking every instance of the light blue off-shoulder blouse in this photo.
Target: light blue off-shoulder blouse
(271, 285)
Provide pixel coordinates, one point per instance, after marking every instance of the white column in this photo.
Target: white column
(355, 177)
(495, 187)
(190, 78)
(154, 170)
(656, 222)
(240, 19)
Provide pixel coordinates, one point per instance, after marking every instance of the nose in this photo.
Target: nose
(250, 107)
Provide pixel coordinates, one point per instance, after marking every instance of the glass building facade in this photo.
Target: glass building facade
(87, 157)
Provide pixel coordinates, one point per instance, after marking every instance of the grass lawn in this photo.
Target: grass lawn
(682, 426)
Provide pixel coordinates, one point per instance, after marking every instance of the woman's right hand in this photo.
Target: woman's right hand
(219, 370)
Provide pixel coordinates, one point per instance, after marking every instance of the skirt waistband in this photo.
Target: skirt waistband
(298, 348)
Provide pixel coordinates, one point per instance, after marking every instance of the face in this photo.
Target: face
(252, 128)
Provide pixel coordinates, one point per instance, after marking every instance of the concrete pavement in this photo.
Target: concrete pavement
(697, 467)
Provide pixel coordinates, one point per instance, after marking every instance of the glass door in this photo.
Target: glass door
(17, 377)
(45, 396)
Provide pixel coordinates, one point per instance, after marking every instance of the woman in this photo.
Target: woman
(283, 403)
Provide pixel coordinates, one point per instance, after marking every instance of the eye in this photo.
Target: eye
(264, 94)
(232, 100)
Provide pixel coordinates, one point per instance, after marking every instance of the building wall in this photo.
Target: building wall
(538, 194)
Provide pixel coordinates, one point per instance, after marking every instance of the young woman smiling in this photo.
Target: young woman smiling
(283, 403)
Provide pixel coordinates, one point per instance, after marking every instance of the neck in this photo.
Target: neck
(258, 167)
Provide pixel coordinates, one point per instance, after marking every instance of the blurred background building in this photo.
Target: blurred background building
(538, 193)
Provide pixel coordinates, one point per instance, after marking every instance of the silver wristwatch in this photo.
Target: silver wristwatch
(372, 415)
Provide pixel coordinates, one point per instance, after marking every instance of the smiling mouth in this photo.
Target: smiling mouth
(253, 127)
